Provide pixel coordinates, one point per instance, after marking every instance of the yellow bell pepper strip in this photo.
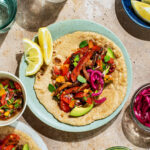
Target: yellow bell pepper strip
(108, 78)
(60, 79)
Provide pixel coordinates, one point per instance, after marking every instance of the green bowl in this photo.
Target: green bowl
(118, 148)
(57, 30)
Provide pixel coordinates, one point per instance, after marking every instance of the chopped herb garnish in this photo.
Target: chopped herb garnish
(81, 79)
(77, 58)
(51, 88)
(13, 148)
(5, 87)
(75, 64)
(104, 66)
(106, 58)
(85, 98)
(11, 84)
(11, 111)
(16, 105)
(83, 44)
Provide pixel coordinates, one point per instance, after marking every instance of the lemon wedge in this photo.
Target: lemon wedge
(33, 57)
(46, 44)
(146, 1)
(142, 10)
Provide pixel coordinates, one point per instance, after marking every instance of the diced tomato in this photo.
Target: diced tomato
(89, 100)
(5, 82)
(17, 86)
(77, 69)
(111, 61)
(56, 71)
(65, 98)
(80, 95)
(3, 100)
(64, 106)
(71, 90)
(64, 69)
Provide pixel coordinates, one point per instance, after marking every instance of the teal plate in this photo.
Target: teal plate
(57, 30)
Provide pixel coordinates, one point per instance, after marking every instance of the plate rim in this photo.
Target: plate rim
(110, 117)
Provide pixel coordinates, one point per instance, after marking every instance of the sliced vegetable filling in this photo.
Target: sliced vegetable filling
(79, 82)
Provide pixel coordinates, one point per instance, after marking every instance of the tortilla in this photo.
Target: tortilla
(24, 138)
(114, 92)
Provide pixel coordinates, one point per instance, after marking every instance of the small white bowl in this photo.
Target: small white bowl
(7, 75)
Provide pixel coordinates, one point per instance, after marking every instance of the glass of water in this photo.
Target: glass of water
(8, 9)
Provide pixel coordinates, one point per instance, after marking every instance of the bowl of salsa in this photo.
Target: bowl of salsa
(12, 98)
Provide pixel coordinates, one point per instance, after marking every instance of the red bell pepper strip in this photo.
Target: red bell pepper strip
(80, 95)
(71, 90)
(96, 48)
(67, 60)
(64, 106)
(64, 69)
(77, 69)
(3, 100)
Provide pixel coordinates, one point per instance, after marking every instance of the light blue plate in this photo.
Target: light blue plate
(57, 30)
(29, 131)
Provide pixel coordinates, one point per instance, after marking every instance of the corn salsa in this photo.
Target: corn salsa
(11, 98)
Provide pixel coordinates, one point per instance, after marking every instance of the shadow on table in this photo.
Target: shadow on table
(133, 133)
(18, 59)
(33, 14)
(58, 134)
(2, 38)
(131, 27)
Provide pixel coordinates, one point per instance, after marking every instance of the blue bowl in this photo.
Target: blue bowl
(57, 30)
(130, 12)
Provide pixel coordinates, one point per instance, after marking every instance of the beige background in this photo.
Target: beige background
(35, 13)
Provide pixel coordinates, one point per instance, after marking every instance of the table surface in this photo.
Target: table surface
(31, 15)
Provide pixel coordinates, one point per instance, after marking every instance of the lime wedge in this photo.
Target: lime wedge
(142, 10)
(46, 44)
(33, 57)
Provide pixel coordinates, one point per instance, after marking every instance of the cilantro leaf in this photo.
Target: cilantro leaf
(83, 44)
(51, 88)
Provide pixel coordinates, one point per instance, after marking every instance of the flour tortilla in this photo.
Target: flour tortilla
(24, 138)
(114, 92)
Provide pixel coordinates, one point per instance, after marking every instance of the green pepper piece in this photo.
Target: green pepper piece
(83, 44)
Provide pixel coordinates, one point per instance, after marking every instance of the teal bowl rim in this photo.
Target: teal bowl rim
(12, 16)
(112, 148)
(69, 128)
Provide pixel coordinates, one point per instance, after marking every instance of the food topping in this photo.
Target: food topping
(142, 107)
(79, 82)
(11, 142)
(11, 98)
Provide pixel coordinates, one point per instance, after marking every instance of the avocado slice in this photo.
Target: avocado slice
(26, 147)
(110, 53)
(80, 111)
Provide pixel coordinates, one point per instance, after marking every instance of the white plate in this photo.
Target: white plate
(29, 131)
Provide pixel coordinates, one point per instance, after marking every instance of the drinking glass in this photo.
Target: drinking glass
(136, 133)
(8, 9)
